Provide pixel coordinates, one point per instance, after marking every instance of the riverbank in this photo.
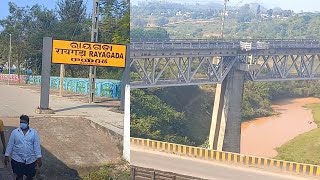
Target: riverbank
(305, 147)
(262, 136)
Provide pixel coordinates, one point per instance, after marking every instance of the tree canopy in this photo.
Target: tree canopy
(69, 21)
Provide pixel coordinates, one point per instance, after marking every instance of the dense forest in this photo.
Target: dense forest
(69, 21)
(183, 114)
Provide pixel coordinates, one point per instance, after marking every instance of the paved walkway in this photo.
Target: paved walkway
(15, 101)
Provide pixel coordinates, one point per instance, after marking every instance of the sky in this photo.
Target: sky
(296, 5)
(51, 4)
(4, 9)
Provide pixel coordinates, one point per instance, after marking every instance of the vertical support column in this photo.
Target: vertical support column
(125, 104)
(45, 72)
(125, 78)
(231, 134)
(45, 75)
(94, 38)
(126, 125)
(216, 115)
(62, 72)
(217, 109)
(225, 132)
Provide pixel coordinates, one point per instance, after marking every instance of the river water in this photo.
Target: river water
(260, 137)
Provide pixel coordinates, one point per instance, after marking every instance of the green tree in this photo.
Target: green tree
(114, 28)
(25, 23)
(44, 23)
(152, 118)
(162, 21)
(73, 25)
(154, 34)
(139, 22)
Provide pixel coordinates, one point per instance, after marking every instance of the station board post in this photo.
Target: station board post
(45, 77)
(62, 74)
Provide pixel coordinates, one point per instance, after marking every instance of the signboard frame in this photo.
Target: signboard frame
(88, 53)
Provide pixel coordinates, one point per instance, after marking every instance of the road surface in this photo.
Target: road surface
(201, 168)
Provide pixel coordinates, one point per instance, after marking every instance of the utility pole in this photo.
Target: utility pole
(9, 59)
(94, 38)
(224, 18)
(217, 123)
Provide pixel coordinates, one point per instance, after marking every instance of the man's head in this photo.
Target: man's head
(24, 121)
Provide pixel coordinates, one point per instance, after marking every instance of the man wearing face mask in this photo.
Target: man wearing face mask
(24, 149)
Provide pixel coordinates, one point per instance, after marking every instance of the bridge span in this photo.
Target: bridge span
(194, 62)
(227, 63)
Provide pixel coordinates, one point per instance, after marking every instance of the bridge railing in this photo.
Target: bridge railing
(224, 44)
(183, 45)
(222, 40)
(104, 87)
(207, 154)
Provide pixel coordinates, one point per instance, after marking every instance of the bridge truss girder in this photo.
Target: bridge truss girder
(179, 71)
(284, 67)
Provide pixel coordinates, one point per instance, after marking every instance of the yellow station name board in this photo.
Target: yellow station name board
(85, 53)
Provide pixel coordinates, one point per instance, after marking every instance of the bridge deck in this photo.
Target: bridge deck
(225, 44)
(196, 62)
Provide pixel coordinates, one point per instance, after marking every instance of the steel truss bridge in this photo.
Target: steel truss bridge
(196, 62)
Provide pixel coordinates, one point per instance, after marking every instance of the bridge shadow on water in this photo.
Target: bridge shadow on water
(52, 167)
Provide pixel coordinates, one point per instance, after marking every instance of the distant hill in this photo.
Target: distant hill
(201, 3)
(209, 6)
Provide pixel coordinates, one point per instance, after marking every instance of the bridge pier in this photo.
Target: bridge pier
(225, 131)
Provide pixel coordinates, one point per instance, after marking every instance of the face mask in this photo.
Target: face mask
(23, 125)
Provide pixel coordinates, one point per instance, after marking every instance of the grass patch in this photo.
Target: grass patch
(304, 148)
(115, 171)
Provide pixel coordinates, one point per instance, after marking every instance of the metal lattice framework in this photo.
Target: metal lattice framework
(179, 71)
(285, 67)
(194, 62)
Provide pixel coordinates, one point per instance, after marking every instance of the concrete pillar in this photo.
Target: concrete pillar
(125, 78)
(225, 132)
(232, 110)
(126, 125)
(216, 115)
(45, 72)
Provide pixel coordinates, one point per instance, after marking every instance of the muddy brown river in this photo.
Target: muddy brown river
(261, 136)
